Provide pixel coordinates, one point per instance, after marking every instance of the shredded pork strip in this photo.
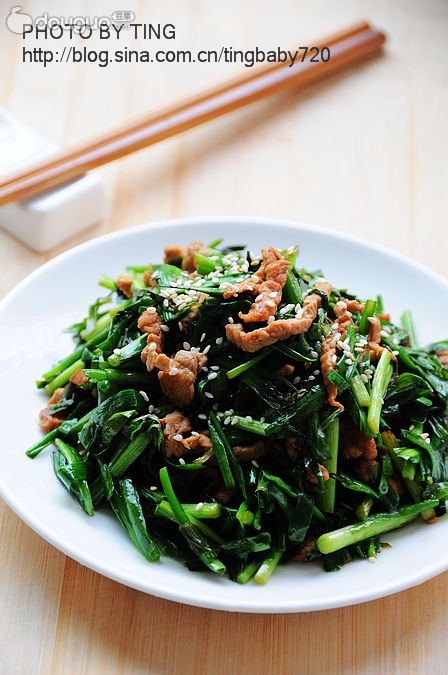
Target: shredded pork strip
(274, 271)
(442, 355)
(356, 446)
(174, 426)
(189, 260)
(47, 421)
(343, 310)
(278, 330)
(125, 285)
(150, 322)
(178, 374)
(374, 338)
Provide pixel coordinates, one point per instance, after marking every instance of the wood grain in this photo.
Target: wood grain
(363, 155)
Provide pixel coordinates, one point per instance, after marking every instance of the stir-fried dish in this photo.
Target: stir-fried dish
(236, 412)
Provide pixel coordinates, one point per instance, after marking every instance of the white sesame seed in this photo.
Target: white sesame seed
(273, 294)
(227, 420)
(296, 380)
(199, 506)
(208, 394)
(212, 376)
(259, 297)
(262, 419)
(151, 409)
(249, 418)
(214, 368)
(165, 328)
(215, 406)
(144, 396)
(395, 352)
(166, 302)
(364, 378)
(151, 310)
(180, 325)
(219, 340)
(186, 346)
(206, 349)
(314, 354)
(178, 437)
(202, 337)
(298, 307)
(152, 346)
(371, 319)
(235, 419)
(202, 416)
(424, 436)
(359, 349)
(384, 333)
(316, 372)
(204, 368)
(181, 461)
(153, 488)
(427, 441)
(117, 351)
(230, 319)
(311, 377)
(349, 362)
(271, 319)
(195, 433)
(334, 358)
(255, 464)
(173, 370)
(181, 306)
(411, 427)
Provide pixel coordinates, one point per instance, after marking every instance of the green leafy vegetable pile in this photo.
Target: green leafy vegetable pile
(310, 447)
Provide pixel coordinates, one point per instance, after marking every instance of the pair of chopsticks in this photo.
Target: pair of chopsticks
(346, 48)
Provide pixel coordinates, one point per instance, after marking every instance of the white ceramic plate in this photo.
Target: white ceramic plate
(32, 318)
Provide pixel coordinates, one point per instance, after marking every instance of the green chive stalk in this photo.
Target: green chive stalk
(72, 458)
(408, 324)
(292, 291)
(390, 443)
(371, 527)
(66, 428)
(360, 391)
(267, 567)
(191, 533)
(327, 498)
(380, 381)
(369, 310)
(247, 365)
(62, 379)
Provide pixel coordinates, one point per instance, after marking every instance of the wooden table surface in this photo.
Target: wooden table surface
(364, 153)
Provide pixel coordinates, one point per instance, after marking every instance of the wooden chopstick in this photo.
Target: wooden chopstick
(347, 47)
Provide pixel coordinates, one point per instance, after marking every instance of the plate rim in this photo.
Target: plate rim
(182, 595)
